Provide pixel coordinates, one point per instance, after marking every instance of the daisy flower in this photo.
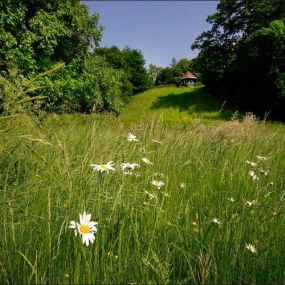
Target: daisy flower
(251, 163)
(182, 185)
(146, 161)
(250, 203)
(264, 172)
(85, 228)
(216, 221)
(156, 141)
(132, 138)
(251, 248)
(253, 175)
(157, 184)
(129, 166)
(150, 195)
(262, 157)
(103, 167)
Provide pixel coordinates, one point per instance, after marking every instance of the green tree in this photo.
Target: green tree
(241, 57)
(34, 35)
(132, 62)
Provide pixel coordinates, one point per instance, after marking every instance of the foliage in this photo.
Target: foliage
(87, 85)
(46, 181)
(132, 62)
(171, 74)
(241, 57)
(34, 35)
(15, 90)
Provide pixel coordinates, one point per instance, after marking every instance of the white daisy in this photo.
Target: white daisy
(253, 175)
(150, 195)
(132, 138)
(129, 166)
(251, 248)
(182, 185)
(250, 203)
(156, 141)
(103, 167)
(251, 163)
(216, 221)
(262, 157)
(157, 184)
(85, 228)
(146, 161)
(264, 172)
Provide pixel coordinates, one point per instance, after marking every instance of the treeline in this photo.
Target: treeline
(171, 75)
(50, 50)
(242, 57)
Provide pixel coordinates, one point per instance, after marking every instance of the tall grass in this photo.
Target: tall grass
(46, 181)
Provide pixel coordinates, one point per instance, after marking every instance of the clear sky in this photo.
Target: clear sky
(160, 29)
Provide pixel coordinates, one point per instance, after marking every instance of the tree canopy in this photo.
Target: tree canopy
(242, 57)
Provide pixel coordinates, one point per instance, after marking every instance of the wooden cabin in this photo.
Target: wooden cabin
(188, 78)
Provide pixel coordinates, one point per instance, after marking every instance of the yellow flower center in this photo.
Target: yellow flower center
(84, 229)
(104, 167)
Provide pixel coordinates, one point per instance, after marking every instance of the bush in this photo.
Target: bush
(87, 85)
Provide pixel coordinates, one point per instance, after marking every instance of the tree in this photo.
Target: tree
(241, 57)
(132, 62)
(154, 71)
(34, 35)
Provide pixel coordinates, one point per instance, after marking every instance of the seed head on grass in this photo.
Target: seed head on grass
(85, 228)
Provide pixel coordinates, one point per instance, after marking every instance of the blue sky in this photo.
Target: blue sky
(160, 29)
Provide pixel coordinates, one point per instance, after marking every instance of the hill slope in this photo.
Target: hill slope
(174, 105)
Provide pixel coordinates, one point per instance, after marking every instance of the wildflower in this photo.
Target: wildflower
(146, 161)
(142, 149)
(253, 175)
(156, 141)
(264, 172)
(262, 157)
(132, 138)
(231, 199)
(251, 248)
(85, 228)
(150, 195)
(182, 185)
(216, 221)
(130, 166)
(194, 223)
(156, 183)
(251, 163)
(250, 203)
(103, 167)
(271, 183)
(66, 275)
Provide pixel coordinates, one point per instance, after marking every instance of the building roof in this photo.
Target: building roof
(188, 74)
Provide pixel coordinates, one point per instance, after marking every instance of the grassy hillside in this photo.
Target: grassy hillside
(210, 223)
(175, 105)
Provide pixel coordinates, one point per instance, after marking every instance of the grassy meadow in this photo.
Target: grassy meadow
(175, 105)
(210, 223)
